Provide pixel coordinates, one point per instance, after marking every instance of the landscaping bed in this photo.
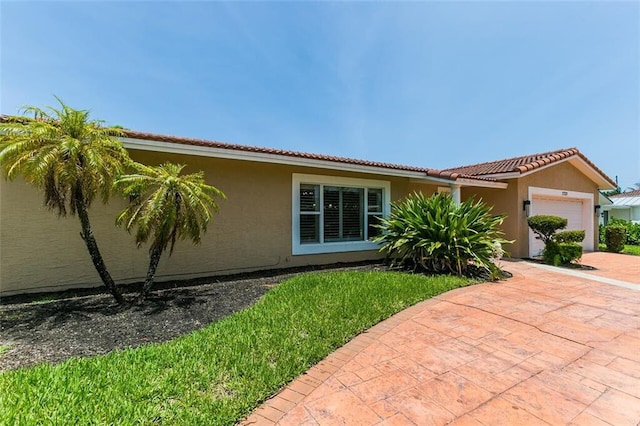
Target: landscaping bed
(78, 323)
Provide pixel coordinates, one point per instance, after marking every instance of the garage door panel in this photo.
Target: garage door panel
(571, 209)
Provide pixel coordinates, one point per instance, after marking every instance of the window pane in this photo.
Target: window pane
(331, 213)
(309, 228)
(374, 200)
(343, 214)
(309, 198)
(371, 229)
(352, 213)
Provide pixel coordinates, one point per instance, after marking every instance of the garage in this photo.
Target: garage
(576, 209)
(562, 183)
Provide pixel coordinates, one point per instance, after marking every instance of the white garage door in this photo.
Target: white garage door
(571, 209)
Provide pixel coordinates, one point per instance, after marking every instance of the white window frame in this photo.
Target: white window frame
(341, 246)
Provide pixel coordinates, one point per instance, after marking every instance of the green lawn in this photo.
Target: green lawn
(635, 250)
(219, 374)
(628, 249)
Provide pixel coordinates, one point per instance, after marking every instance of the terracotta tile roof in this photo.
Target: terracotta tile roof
(296, 154)
(634, 193)
(443, 174)
(524, 164)
(272, 151)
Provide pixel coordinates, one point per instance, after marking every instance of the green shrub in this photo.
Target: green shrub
(633, 234)
(561, 253)
(560, 248)
(633, 230)
(545, 226)
(615, 237)
(436, 234)
(569, 237)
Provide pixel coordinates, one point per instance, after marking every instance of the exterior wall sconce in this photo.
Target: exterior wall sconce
(526, 205)
(596, 209)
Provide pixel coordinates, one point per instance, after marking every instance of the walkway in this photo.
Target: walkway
(541, 348)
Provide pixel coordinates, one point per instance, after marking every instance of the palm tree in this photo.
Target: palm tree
(165, 207)
(71, 158)
(634, 187)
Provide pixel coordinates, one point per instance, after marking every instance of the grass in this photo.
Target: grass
(217, 375)
(635, 250)
(628, 249)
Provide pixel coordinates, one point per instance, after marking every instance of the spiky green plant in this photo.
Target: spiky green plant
(165, 206)
(436, 234)
(71, 158)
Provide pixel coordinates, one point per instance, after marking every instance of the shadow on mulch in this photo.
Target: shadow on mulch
(578, 266)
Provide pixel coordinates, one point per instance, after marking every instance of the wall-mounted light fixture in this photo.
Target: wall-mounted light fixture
(596, 208)
(526, 205)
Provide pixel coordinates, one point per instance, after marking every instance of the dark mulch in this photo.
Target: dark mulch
(88, 322)
(576, 265)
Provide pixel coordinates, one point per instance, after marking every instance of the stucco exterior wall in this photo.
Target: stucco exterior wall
(503, 202)
(252, 231)
(39, 250)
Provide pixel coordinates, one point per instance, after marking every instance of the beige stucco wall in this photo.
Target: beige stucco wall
(563, 176)
(503, 202)
(41, 252)
(252, 231)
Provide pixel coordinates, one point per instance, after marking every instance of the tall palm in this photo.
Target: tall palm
(69, 156)
(165, 207)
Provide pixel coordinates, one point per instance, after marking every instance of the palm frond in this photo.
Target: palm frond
(168, 206)
(59, 148)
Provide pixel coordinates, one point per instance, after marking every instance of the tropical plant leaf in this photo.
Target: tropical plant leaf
(438, 235)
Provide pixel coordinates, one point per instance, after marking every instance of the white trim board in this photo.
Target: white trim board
(262, 157)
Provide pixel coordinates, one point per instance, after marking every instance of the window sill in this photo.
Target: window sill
(301, 249)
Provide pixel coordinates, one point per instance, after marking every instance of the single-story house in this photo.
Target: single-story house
(623, 206)
(283, 209)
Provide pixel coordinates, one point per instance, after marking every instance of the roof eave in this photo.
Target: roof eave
(460, 182)
(261, 157)
(603, 182)
(481, 183)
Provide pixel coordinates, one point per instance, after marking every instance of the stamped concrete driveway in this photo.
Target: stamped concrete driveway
(544, 347)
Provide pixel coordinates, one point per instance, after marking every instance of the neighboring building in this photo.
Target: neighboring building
(623, 206)
(283, 209)
(603, 202)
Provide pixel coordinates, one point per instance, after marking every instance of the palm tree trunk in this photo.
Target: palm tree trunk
(154, 258)
(92, 246)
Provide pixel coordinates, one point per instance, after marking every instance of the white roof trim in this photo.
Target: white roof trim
(262, 157)
(234, 154)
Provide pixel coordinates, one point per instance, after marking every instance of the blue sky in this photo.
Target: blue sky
(430, 84)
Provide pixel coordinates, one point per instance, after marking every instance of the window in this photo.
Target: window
(333, 214)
